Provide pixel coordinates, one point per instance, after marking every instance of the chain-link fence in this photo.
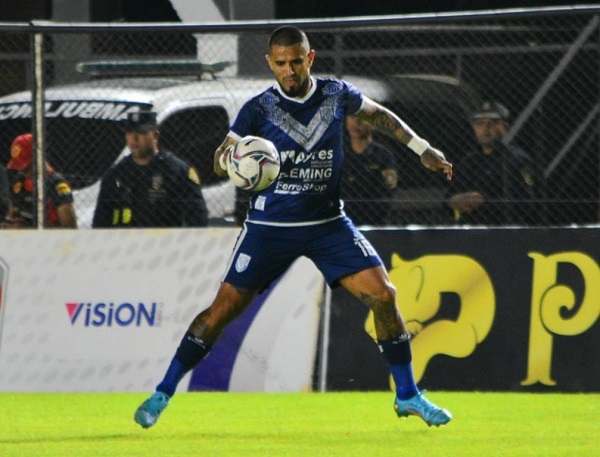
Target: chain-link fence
(538, 164)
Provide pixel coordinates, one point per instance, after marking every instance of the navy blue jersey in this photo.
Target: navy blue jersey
(307, 132)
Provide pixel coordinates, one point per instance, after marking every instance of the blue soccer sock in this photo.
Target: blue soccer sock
(397, 353)
(191, 351)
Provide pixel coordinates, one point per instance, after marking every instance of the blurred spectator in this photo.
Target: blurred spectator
(60, 210)
(499, 184)
(150, 187)
(4, 193)
(370, 176)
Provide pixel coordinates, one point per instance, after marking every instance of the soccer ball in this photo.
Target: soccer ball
(253, 164)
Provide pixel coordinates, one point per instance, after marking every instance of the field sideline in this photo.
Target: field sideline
(306, 425)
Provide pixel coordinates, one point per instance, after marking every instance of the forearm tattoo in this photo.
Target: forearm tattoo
(386, 122)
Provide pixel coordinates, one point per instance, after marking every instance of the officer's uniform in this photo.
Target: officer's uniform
(509, 183)
(368, 184)
(164, 193)
(508, 179)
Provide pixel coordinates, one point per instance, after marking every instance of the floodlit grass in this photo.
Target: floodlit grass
(306, 425)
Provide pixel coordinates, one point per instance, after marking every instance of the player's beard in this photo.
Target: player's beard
(297, 91)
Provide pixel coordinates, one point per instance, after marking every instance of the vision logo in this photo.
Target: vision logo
(114, 315)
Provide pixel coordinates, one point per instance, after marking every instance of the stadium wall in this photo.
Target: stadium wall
(490, 309)
(103, 311)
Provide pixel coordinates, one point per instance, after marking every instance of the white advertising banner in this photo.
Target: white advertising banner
(104, 311)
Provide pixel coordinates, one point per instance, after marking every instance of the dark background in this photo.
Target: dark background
(334, 8)
(499, 362)
(162, 11)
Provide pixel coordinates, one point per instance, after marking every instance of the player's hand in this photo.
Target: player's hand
(220, 160)
(434, 160)
(466, 201)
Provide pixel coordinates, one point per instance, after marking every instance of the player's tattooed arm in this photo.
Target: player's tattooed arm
(385, 121)
(221, 150)
(388, 123)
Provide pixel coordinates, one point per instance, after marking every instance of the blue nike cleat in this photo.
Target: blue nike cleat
(420, 406)
(149, 411)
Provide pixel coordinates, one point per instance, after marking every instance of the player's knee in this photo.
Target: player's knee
(382, 297)
(388, 293)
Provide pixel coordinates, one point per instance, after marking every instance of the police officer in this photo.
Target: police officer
(370, 176)
(498, 184)
(150, 187)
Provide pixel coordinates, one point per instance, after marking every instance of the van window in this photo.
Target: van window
(83, 138)
(194, 134)
(83, 149)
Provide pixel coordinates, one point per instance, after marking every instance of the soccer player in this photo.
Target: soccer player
(301, 215)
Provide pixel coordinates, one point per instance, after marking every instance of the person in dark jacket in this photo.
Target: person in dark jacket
(499, 183)
(4, 193)
(370, 176)
(151, 187)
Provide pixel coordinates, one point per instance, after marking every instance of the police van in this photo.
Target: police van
(85, 137)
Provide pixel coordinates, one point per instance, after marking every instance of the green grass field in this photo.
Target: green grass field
(306, 425)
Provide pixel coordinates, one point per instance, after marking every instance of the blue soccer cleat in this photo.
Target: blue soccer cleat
(420, 406)
(149, 411)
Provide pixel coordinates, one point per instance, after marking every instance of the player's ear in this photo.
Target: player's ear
(269, 61)
(311, 57)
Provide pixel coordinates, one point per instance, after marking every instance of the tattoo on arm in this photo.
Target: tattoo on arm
(385, 121)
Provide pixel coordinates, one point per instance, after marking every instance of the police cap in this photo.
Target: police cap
(491, 110)
(141, 122)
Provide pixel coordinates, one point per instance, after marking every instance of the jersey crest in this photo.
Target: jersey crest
(242, 262)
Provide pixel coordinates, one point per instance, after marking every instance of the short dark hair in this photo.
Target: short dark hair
(288, 35)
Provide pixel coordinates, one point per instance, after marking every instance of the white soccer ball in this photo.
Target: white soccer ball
(253, 163)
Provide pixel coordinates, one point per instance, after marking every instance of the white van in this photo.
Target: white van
(84, 133)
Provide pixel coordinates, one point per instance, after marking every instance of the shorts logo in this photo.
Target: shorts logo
(242, 262)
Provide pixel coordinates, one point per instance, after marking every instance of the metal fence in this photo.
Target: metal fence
(435, 71)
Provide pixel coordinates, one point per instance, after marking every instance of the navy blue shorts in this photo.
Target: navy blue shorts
(262, 252)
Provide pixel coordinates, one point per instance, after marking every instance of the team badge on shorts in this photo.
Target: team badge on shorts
(242, 262)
